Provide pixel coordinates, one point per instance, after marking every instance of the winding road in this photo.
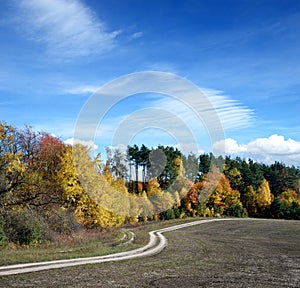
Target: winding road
(155, 245)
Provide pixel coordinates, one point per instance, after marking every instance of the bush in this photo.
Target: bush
(177, 213)
(295, 210)
(24, 227)
(2, 234)
(62, 221)
(168, 214)
(283, 210)
(235, 210)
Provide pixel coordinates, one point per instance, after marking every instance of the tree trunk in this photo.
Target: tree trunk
(137, 178)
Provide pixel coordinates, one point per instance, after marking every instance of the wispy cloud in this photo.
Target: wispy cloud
(232, 114)
(172, 105)
(163, 66)
(135, 35)
(164, 118)
(268, 150)
(67, 28)
(83, 89)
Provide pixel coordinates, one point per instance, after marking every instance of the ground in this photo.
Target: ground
(240, 253)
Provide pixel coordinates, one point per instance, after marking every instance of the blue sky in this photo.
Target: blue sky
(244, 55)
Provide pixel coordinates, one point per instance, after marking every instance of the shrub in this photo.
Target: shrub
(177, 213)
(24, 227)
(283, 210)
(235, 210)
(2, 234)
(168, 214)
(62, 221)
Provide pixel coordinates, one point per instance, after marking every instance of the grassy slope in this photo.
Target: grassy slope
(241, 253)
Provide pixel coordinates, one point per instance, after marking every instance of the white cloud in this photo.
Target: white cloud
(229, 146)
(120, 147)
(163, 66)
(136, 35)
(275, 145)
(232, 114)
(82, 90)
(68, 28)
(268, 150)
(186, 114)
(90, 144)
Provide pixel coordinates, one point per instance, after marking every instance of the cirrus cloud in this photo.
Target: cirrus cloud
(67, 28)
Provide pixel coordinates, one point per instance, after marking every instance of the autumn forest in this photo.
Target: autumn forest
(47, 185)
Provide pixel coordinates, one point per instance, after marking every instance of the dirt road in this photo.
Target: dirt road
(155, 245)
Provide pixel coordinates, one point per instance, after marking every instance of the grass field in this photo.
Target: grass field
(240, 253)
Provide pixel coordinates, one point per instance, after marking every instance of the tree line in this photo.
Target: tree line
(47, 185)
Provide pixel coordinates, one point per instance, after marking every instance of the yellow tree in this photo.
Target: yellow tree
(290, 196)
(93, 199)
(178, 164)
(144, 206)
(249, 200)
(11, 166)
(153, 188)
(160, 199)
(177, 200)
(264, 197)
(224, 197)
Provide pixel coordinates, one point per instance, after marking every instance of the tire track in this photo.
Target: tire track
(156, 244)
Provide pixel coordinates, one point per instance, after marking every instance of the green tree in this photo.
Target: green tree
(172, 168)
(204, 163)
(235, 178)
(144, 162)
(134, 157)
(191, 166)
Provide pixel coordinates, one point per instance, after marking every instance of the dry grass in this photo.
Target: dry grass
(84, 243)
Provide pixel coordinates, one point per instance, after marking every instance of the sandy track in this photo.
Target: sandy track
(155, 245)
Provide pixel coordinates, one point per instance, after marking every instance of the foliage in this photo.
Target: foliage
(2, 234)
(172, 168)
(249, 200)
(223, 196)
(11, 166)
(57, 186)
(286, 206)
(235, 210)
(264, 197)
(191, 167)
(24, 227)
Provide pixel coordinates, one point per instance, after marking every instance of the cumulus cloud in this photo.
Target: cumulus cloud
(68, 28)
(90, 144)
(229, 146)
(273, 148)
(275, 145)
